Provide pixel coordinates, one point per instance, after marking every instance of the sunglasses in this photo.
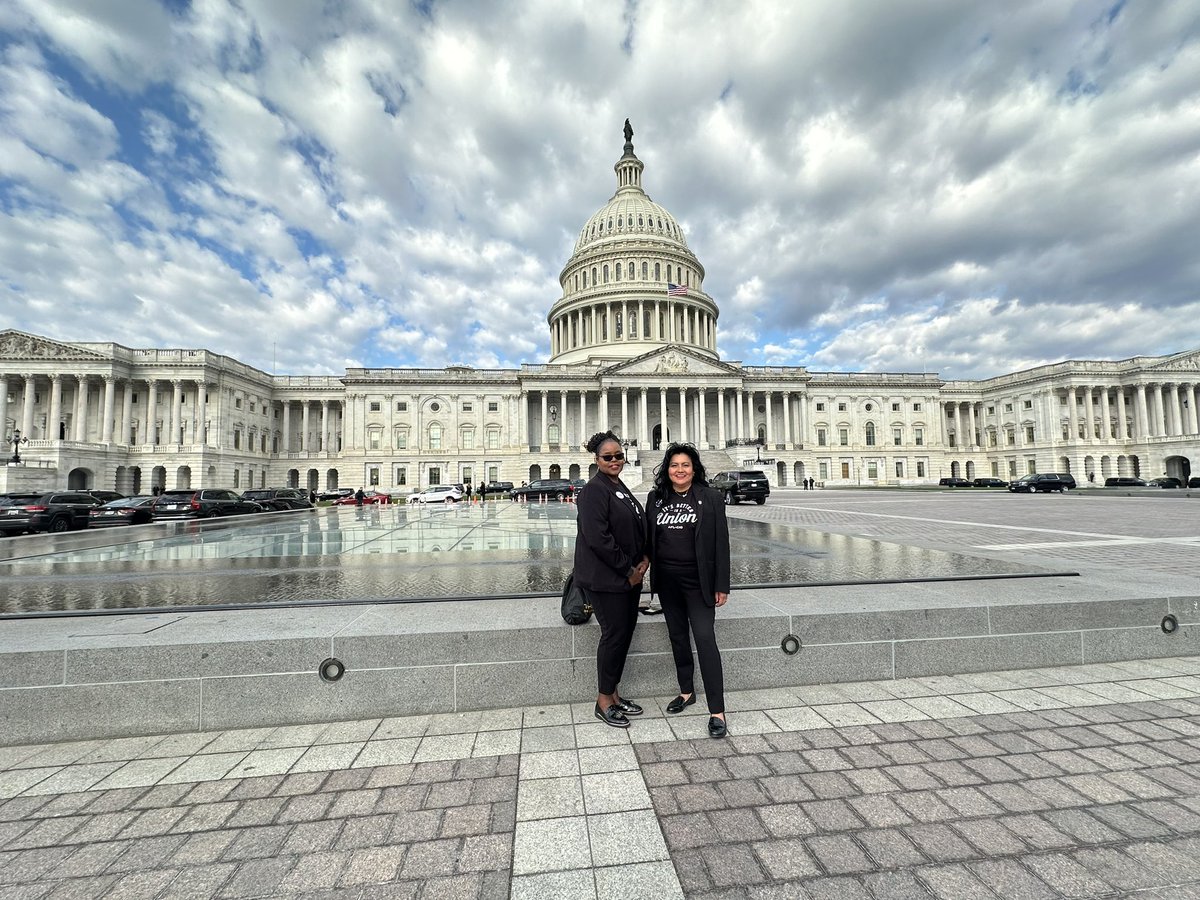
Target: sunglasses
(609, 457)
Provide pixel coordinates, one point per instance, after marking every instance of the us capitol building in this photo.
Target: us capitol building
(633, 344)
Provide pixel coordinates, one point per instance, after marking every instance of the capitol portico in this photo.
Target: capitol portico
(633, 342)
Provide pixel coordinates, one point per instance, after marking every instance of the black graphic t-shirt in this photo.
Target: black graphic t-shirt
(675, 530)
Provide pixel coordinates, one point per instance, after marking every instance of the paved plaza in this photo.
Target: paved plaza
(1079, 781)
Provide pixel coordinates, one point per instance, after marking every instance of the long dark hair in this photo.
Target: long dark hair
(662, 478)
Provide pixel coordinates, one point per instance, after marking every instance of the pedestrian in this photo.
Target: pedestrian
(482, 491)
(688, 545)
(610, 565)
(358, 497)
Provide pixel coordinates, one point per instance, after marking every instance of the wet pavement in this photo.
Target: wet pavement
(1071, 782)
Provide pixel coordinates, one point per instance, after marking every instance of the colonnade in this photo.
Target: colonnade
(665, 321)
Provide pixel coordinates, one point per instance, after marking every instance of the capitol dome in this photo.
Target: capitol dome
(632, 284)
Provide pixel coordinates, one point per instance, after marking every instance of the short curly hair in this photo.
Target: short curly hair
(599, 439)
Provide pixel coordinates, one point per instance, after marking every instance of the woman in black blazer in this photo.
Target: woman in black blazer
(689, 550)
(610, 563)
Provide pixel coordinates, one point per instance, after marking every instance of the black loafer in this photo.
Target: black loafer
(677, 705)
(716, 727)
(612, 716)
(647, 611)
(629, 707)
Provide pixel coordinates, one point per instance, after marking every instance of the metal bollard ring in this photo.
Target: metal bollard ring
(331, 669)
(790, 645)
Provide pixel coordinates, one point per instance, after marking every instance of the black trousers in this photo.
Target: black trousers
(684, 608)
(617, 614)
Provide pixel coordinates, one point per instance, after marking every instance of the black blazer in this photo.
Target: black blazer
(610, 540)
(712, 540)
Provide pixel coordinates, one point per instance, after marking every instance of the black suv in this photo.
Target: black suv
(503, 488)
(203, 503)
(989, 482)
(547, 488)
(954, 482)
(57, 511)
(1119, 481)
(1044, 482)
(742, 484)
(279, 498)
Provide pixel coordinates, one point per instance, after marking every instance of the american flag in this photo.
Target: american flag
(676, 290)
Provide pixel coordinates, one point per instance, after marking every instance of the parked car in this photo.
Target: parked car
(441, 493)
(1123, 481)
(548, 488)
(106, 496)
(126, 511)
(202, 503)
(742, 484)
(503, 488)
(578, 484)
(989, 482)
(279, 498)
(335, 494)
(954, 482)
(1194, 482)
(369, 498)
(54, 511)
(1043, 482)
(1165, 482)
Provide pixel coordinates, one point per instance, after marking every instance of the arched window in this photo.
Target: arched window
(577, 281)
(618, 271)
(606, 273)
(610, 224)
(657, 274)
(594, 282)
(585, 278)
(631, 271)
(602, 228)
(639, 221)
(870, 434)
(467, 437)
(645, 269)
(435, 436)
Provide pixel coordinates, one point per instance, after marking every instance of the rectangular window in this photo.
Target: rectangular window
(821, 440)
(493, 406)
(1029, 434)
(401, 406)
(916, 407)
(435, 476)
(402, 476)
(919, 437)
(401, 440)
(872, 470)
(823, 470)
(1012, 468)
(237, 402)
(375, 406)
(237, 440)
(251, 406)
(841, 407)
(844, 437)
(468, 439)
(493, 473)
(920, 470)
(237, 478)
(953, 439)
(995, 468)
(1066, 432)
(899, 468)
(991, 439)
(845, 471)
(897, 436)
(493, 440)
(820, 407)
(1009, 436)
(1028, 404)
(466, 407)
(374, 438)
(895, 407)
(135, 396)
(1008, 407)
(991, 410)
(373, 476)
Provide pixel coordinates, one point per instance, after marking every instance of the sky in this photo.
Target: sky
(879, 186)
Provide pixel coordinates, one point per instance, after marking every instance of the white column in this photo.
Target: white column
(177, 412)
(1189, 396)
(958, 429)
(523, 421)
(151, 413)
(287, 426)
(4, 404)
(201, 436)
(641, 322)
(625, 406)
(643, 419)
(27, 408)
(323, 440)
(1105, 416)
(738, 419)
(55, 408)
(1122, 415)
(110, 402)
(604, 418)
(306, 420)
(79, 426)
(584, 434)
(1160, 418)
(701, 420)
(802, 420)
(1141, 414)
(545, 437)
(683, 429)
(789, 439)
(1072, 422)
(720, 418)
(770, 424)
(1176, 411)
(126, 414)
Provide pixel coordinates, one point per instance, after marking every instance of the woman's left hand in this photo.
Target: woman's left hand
(721, 598)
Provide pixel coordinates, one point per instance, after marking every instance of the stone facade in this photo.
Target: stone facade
(633, 348)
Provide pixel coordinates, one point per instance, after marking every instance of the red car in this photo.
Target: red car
(368, 498)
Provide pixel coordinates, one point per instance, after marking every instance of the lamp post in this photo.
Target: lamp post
(17, 439)
(758, 451)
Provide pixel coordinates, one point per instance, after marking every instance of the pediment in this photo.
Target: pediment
(1180, 362)
(667, 361)
(19, 345)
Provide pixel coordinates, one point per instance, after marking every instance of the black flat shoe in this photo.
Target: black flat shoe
(716, 727)
(677, 705)
(647, 611)
(612, 716)
(629, 707)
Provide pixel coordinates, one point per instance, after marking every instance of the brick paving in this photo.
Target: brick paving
(1091, 798)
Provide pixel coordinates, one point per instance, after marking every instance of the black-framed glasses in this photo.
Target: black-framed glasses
(610, 457)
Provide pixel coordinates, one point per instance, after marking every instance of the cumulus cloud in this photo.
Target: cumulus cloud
(968, 189)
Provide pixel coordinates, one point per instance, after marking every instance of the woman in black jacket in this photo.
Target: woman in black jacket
(689, 550)
(610, 563)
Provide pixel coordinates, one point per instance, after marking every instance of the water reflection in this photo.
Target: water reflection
(410, 552)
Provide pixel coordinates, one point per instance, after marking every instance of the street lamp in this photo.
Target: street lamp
(758, 451)
(17, 439)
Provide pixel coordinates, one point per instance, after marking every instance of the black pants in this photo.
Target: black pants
(617, 615)
(684, 606)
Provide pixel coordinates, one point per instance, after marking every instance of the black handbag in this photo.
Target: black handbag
(575, 607)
